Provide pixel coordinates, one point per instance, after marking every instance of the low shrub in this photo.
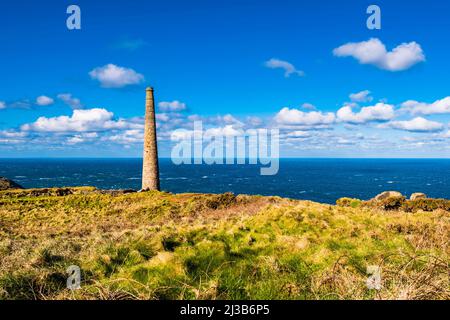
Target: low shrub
(348, 202)
(388, 204)
(427, 205)
(221, 201)
(392, 203)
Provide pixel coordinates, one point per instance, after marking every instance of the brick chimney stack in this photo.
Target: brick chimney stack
(150, 170)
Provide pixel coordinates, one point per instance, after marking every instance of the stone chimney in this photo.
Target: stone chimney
(150, 171)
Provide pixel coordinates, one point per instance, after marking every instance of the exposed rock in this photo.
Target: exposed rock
(6, 184)
(418, 195)
(387, 194)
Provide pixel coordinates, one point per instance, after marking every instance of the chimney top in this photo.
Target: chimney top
(149, 89)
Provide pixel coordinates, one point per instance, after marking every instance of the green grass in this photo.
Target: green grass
(191, 246)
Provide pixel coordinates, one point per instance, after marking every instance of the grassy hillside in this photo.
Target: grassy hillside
(189, 246)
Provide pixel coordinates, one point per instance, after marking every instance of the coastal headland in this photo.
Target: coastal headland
(158, 245)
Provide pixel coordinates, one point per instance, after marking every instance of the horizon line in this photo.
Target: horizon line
(281, 158)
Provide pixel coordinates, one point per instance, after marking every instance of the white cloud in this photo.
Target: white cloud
(363, 96)
(128, 137)
(308, 106)
(23, 104)
(288, 116)
(181, 134)
(374, 52)
(171, 106)
(298, 134)
(220, 125)
(288, 68)
(2, 105)
(69, 100)
(12, 134)
(344, 141)
(12, 137)
(44, 101)
(418, 124)
(163, 117)
(254, 121)
(437, 107)
(217, 120)
(378, 112)
(112, 76)
(445, 134)
(81, 121)
(229, 119)
(80, 138)
(227, 131)
(75, 140)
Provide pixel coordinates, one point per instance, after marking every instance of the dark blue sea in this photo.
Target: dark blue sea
(322, 180)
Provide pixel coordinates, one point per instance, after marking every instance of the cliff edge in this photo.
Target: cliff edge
(6, 184)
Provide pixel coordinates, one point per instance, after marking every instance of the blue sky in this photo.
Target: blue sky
(225, 62)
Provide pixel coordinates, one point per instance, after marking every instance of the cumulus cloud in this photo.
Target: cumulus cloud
(44, 101)
(418, 124)
(2, 105)
(374, 52)
(289, 68)
(438, 107)
(176, 105)
(363, 96)
(81, 121)
(69, 100)
(378, 112)
(294, 117)
(113, 76)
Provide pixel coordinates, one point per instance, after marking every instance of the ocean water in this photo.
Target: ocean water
(322, 180)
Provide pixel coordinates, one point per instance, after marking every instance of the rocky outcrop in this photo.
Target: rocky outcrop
(6, 184)
(387, 194)
(417, 196)
(395, 201)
